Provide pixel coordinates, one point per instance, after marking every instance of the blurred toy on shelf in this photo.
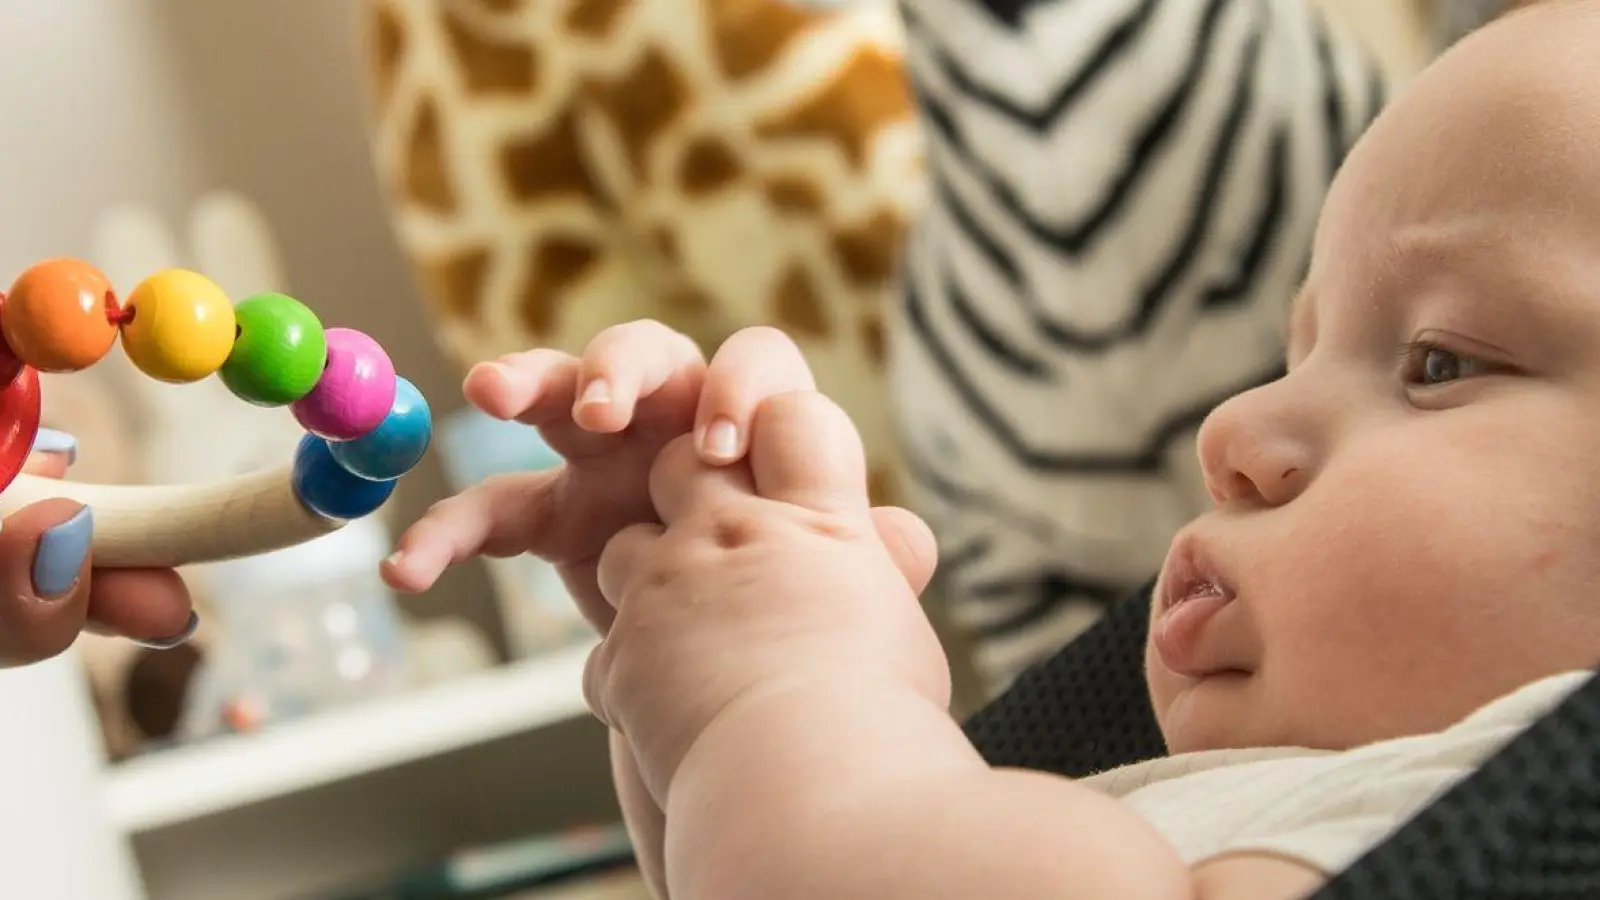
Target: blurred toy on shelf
(307, 629)
(536, 611)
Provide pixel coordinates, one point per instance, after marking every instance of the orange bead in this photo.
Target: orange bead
(55, 316)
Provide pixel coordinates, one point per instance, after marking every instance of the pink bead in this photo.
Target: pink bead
(355, 392)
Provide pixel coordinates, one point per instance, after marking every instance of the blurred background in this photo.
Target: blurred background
(457, 178)
(319, 736)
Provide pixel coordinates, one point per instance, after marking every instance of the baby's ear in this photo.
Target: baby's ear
(233, 245)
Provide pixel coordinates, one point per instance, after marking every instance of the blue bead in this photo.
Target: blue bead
(327, 489)
(396, 445)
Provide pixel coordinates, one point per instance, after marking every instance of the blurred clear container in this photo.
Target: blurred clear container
(302, 630)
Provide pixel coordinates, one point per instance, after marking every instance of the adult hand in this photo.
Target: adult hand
(51, 590)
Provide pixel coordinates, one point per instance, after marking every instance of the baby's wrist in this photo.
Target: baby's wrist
(776, 766)
(866, 722)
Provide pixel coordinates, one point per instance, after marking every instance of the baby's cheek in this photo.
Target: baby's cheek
(1426, 592)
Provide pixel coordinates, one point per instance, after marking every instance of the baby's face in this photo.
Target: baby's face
(1408, 524)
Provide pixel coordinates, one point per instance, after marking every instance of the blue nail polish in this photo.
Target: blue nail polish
(49, 440)
(176, 640)
(60, 554)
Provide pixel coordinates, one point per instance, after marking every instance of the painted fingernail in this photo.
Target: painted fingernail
(60, 554)
(597, 391)
(49, 440)
(722, 439)
(176, 640)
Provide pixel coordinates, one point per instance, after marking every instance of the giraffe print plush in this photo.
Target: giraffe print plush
(556, 166)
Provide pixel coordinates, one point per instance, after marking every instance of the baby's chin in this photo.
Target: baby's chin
(1217, 712)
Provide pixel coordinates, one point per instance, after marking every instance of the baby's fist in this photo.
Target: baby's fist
(768, 577)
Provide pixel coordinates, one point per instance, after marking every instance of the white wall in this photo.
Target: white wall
(91, 116)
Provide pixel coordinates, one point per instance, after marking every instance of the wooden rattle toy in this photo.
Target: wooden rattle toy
(366, 426)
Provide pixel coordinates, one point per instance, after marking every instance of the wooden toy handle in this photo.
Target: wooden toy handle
(162, 526)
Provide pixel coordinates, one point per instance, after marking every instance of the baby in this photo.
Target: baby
(1397, 577)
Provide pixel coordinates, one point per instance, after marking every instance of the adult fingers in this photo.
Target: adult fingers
(501, 516)
(627, 363)
(749, 367)
(910, 543)
(44, 564)
(53, 453)
(150, 607)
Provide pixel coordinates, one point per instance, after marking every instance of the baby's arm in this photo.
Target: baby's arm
(852, 791)
(789, 704)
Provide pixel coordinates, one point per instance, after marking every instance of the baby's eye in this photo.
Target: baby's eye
(1428, 366)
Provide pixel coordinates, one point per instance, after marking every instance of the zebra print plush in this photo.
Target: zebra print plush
(1124, 196)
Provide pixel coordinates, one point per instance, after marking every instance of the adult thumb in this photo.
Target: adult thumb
(910, 543)
(44, 572)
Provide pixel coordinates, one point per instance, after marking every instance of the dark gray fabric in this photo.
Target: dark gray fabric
(1526, 826)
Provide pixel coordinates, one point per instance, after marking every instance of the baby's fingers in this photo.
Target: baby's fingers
(627, 363)
(533, 387)
(752, 365)
(502, 516)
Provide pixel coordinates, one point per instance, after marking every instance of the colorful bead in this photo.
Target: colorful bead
(327, 489)
(355, 392)
(55, 318)
(180, 326)
(396, 445)
(279, 352)
(19, 423)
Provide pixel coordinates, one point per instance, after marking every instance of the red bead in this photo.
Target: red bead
(57, 316)
(19, 423)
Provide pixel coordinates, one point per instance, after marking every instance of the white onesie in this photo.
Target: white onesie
(1323, 808)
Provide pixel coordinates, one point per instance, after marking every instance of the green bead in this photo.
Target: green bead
(278, 353)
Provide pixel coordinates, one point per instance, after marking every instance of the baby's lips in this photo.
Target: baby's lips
(1178, 634)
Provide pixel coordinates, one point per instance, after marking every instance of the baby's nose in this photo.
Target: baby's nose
(1252, 451)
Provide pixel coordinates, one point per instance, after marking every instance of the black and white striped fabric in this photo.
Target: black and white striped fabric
(1124, 193)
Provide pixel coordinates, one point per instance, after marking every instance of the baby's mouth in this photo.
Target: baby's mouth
(1199, 589)
(1191, 576)
(1193, 593)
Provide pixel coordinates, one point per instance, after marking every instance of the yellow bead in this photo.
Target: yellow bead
(180, 328)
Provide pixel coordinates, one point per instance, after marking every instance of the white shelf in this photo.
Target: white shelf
(184, 783)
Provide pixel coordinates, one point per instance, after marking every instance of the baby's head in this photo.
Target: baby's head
(1408, 524)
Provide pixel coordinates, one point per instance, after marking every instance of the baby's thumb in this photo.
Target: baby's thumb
(910, 543)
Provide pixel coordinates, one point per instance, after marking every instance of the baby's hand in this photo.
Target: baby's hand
(638, 386)
(773, 583)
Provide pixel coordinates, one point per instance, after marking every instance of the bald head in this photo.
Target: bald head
(1500, 135)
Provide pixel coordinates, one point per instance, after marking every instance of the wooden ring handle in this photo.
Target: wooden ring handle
(165, 526)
